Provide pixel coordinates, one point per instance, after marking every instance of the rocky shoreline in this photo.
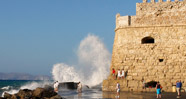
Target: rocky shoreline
(39, 93)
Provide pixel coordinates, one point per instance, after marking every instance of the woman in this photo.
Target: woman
(158, 90)
(119, 74)
(122, 74)
(114, 73)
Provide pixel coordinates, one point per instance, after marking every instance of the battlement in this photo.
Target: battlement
(153, 13)
(147, 8)
(153, 1)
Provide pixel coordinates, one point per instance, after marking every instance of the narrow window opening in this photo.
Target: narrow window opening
(147, 40)
(160, 60)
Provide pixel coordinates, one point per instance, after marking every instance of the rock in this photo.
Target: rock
(24, 94)
(68, 85)
(56, 97)
(41, 92)
(48, 87)
(15, 97)
(7, 95)
(38, 93)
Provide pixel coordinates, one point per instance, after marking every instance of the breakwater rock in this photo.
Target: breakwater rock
(38, 93)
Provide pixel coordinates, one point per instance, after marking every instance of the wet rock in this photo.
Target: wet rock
(15, 97)
(56, 97)
(41, 92)
(7, 95)
(48, 87)
(38, 93)
(68, 85)
(2, 98)
(24, 94)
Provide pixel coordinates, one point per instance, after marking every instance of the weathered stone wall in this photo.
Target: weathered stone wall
(157, 13)
(142, 61)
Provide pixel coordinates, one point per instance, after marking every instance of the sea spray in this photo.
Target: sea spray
(92, 67)
(32, 85)
(62, 72)
(6, 87)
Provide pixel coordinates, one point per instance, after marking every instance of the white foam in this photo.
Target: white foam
(6, 87)
(92, 67)
(13, 91)
(34, 85)
(31, 86)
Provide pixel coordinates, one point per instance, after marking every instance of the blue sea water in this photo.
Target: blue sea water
(8, 85)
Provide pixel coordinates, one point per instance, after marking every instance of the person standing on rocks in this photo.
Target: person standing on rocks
(79, 88)
(178, 87)
(56, 84)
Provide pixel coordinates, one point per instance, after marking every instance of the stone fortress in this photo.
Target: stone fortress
(150, 46)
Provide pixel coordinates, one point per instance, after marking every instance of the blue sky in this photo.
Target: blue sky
(36, 34)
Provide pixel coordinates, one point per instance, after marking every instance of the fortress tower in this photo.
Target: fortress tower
(150, 46)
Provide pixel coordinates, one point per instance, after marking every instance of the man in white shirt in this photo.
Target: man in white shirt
(56, 84)
(79, 89)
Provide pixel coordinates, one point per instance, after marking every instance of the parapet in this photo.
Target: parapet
(122, 20)
(153, 1)
(155, 14)
(147, 8)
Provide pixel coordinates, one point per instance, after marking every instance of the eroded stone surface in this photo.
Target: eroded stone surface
(164, 60)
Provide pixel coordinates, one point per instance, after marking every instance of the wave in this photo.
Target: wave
(6, 87)
(92, 67)
(31, 86)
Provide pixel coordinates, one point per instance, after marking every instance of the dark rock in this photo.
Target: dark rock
(41, 92)
(56, 97)
(7, 95)
(15, 97)
(48, 87)
(68, 85)
(38, 93)
(24, 94)
(2, 98)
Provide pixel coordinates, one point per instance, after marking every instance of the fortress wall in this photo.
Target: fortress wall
(164, 60)
(157, 13)
(142, 60)
(164, 7)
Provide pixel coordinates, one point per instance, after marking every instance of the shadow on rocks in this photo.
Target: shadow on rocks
(39, 93)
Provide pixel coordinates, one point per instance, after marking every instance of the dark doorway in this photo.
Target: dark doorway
(151, 84)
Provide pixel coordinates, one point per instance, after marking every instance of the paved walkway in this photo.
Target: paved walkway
(142, 95)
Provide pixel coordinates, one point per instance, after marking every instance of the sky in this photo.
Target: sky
(36, 34)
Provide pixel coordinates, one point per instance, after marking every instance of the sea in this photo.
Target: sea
(13, 86)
